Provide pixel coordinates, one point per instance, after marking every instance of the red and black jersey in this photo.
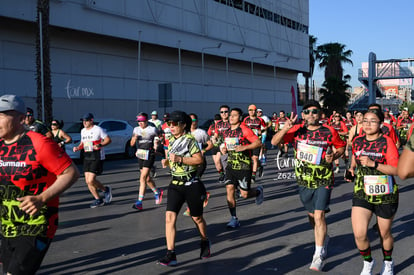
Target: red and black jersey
(405, 122)
(381, 150)
(221, 126)
(340, 127)
(29, 167)
(255, 124)
(313, 174)
(211, 129)
(349, 123)
(242, 135)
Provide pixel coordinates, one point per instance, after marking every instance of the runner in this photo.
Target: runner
(342, 130)
(375, 159)
(166, 134)
(349, 122)
(184, 157)
(405, 164)
(143, 139)
(386, 128)
(313, 151)
(283, 147)
(240, 141)
(263, 149)
(217, 140)
(93, 141)
(256, 124)
(403, 126)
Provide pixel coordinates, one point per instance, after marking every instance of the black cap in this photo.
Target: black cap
(29, 111)
(311, 103)
(180, 116)
(87, 116)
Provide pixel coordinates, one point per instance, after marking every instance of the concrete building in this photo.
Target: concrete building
(117, 58)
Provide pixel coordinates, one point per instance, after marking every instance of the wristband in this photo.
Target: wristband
(376, 165)
(62, 142)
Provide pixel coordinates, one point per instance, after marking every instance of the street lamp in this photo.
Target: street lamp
(202, 60)
(251, 65)
(227, 64)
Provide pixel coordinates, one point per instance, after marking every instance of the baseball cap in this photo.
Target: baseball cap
(252, 107)
(260, 110)
(12, 103)
(87, 116)
(154, 113)
(178, 116)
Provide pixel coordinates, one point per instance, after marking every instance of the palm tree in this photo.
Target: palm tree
(312, 58)
(331, 57)
(43, 10)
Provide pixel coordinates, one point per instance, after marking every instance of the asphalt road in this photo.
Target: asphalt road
(274, 238)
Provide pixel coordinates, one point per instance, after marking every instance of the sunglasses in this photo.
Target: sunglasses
(252, 110)
(174, 123)
(54, 124)
(224, 112)
(311, 111)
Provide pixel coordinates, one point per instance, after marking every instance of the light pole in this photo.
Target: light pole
(251, 66)
(202, 60)
(227, 64)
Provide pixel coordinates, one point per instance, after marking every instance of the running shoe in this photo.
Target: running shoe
(233, 223)
(187, 212)
(325, 246)
(137, 205)
(336, 171)
(97, 203)
(222, 178)
(205, 246)
(253, 180)
(260, 196)
(261, 172)
(170, 259)
(387, 268)
(158, 196)
(108, 195)
(368, 267)
(317, 263)
(206, 199)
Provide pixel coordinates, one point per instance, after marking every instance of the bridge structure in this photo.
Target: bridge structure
(380, 70)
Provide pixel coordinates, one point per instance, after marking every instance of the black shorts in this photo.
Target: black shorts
(240, 178)
(385, 211)
(93, 166)
(315, 199)
(194, 194)
(215, 150)
(23, 255)
(256, 152)
(148, 163)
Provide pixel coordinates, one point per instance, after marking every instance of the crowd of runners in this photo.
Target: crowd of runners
(367, 142)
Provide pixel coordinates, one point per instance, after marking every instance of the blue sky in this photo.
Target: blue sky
(384, 27)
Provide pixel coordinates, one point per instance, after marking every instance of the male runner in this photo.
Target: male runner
(313, 151)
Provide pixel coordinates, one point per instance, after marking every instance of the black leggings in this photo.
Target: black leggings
(194, 194)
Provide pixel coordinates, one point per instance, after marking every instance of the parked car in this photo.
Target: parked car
(120, 132)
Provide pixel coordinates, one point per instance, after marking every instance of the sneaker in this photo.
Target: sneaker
(325, 246)
(233, 223)
(336, 171)
(137, 205)
(368, 267)
(253, 180)
(108, 195)
(168, 260)
(260, 172)
(97, 203)
(259, 197)
(158, 196)
(387, 268)
(205, 249)
(187, 212)
(222, 178)
(206, 199)
(317, 263)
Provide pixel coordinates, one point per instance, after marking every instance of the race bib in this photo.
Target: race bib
(408, 126)
(88, 146)
(142, 154)
(309, 153)
(281, 125)
(231, 142)
(378, 185)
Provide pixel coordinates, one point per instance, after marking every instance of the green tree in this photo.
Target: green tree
(331, 56)
(312, 59)
(42, 43)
